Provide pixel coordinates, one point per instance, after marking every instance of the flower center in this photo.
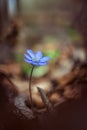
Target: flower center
(35, 59)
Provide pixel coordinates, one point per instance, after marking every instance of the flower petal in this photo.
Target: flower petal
(28, 61)
(27, 56)
(35, 63)
(42, 63)
(45, 59)
(39, 55)
(31, 53)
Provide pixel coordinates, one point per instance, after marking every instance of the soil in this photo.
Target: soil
(68, 115)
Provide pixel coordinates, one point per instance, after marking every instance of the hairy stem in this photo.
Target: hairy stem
(30, 91)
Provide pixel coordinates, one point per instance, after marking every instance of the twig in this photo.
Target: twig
(45, 99)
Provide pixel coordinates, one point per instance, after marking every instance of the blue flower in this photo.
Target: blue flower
(35, 58)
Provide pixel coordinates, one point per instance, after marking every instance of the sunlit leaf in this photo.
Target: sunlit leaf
(53, 54)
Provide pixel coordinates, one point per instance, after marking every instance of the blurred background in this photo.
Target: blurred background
(58, 28)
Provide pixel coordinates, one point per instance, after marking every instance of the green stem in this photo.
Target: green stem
(30, 91)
